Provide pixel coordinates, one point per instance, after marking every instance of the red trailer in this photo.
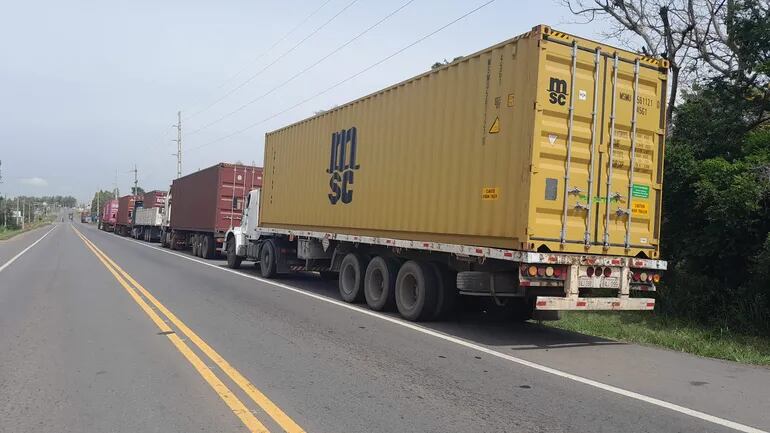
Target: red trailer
(154, 199)
(125, 214)
(207, 203)
(109, 216)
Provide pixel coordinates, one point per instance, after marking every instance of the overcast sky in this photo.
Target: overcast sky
(90, 88)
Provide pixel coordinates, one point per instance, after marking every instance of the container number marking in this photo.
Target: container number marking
(489, 194)
(640, 191)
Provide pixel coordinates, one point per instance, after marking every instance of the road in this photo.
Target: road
(105, 334)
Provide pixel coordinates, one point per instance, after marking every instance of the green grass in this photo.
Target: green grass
(676, 334)
(7, 234)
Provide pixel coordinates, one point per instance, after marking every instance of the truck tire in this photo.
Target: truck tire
(416, 291)
(351, 281)
(380, 284)
(173, 242)
(208, 247)
(194, 245)
(268, 265)
(233, 261)
(446, 293)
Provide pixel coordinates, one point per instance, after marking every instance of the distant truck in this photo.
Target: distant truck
(529, 173)
(148, 216)
(109, 216)
(204, 205)
(125, 217)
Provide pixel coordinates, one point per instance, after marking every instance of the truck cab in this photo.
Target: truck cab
(240, 241)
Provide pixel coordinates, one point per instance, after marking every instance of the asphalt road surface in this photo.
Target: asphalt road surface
(105, 334)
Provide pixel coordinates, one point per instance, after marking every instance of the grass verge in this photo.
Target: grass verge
(676, 334)
(7, 234)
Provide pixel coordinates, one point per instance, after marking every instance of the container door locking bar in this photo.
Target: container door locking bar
(606, 238)
(570, 120)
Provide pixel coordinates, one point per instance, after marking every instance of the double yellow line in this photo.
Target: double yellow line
(139, 294)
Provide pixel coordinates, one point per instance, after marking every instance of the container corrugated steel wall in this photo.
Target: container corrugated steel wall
(203, 201)
(475, 153)
(154, 199)
(125, 209)
(110, 212)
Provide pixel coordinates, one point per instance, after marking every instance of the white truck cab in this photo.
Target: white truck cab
(238, 239)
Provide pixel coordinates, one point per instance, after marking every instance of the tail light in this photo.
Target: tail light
(557, 272)
(656, 278)
(635, 276)
(523, 270)
(532, 271)
(607, 271)
(540, 272)
(643, 277)
(549, 271)
(590, 271)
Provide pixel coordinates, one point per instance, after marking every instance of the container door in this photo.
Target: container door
(566, 160)
(597, 178)
(628, 184)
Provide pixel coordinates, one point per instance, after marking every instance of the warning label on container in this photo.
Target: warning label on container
(640, 208)
(495, 128)
(489, 193)
(640, 191)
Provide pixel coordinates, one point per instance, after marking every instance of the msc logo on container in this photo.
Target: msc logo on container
(342, 166)
(557, 91)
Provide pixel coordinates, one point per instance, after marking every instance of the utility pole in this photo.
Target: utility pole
(178, 140)
(2, 203)
(116, 191)
(136, 181)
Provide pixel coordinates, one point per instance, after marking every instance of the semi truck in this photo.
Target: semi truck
(204, 205)
(109, 216)
(148, 216)
(529, 172)
(124, 221)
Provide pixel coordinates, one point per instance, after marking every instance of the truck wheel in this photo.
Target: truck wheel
(380, 284)
(233, 261)
(173, 242)
(208, 247)
(351, 282)
(446, 296)
(267, 260)
(416, 291)
(194, 245)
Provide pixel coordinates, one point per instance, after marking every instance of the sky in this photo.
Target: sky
(90, 89)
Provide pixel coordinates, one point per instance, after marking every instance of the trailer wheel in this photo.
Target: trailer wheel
(351, 280)
(173, 242)
(233, 261)
(416, 291)
(446, 296)
(194, 245)
(267, 260)
(208, 247)
(380, 284)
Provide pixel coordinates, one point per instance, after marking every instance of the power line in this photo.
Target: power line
(334, 86)
(295, 76)
(258, 73)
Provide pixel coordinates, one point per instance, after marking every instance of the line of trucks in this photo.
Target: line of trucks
(529, 173)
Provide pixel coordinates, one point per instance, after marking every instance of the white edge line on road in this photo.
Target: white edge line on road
(590, 382)
(13, 259)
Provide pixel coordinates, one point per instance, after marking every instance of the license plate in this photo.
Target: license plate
(599, 282)
(610, 283)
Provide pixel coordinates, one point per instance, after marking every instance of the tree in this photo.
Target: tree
(101, 197)
(701, 39)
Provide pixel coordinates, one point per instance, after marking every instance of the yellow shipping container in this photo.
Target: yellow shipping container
(544, 142)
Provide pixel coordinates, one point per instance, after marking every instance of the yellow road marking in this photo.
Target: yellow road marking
(237, 407)
(280, 417)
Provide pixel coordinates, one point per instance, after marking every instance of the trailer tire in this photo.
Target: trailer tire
(194, 245)
(351, 280)
(380, 284)
(416, 291)
(233, 261)
(268, 263)
(173, 242)
(208, 247)
(446, 296)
